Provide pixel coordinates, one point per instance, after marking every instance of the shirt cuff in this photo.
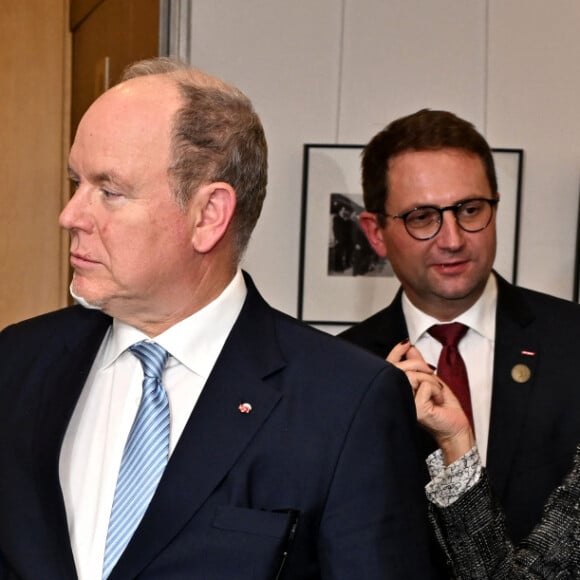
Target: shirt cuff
(449, 483)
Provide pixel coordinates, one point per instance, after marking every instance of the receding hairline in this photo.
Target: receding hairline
(180, 73)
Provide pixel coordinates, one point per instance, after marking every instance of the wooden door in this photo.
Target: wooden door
(107, 36)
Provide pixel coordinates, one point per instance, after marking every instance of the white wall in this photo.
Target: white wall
(533, 102)
(337, 71)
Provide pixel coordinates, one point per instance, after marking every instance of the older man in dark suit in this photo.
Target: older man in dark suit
(175, 426)
(431, 197)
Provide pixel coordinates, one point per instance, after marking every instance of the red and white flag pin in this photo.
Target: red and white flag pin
(245, 408)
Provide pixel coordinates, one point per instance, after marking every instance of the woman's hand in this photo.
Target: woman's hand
(440, 413)
(407, 358)
(438, 410)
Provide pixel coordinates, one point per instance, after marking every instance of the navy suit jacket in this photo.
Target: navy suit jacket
(328, 445)
(535, 425)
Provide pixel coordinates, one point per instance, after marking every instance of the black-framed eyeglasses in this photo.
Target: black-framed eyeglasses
(423, 223)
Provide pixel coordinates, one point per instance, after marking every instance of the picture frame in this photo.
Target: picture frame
(341, 280)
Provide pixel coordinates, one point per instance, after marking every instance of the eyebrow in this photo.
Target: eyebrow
(101, 178)
(462, 200)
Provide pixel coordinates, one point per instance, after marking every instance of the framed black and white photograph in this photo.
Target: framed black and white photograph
(341, 280)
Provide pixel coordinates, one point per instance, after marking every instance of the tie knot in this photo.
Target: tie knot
(448, 334)
(152, 357)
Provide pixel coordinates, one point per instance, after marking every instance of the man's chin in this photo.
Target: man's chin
(460, 292)
(83, 301)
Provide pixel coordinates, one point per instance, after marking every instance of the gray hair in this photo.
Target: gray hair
(216, 136)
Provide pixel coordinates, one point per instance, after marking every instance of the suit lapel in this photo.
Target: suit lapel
(215, 435)
(57, 387)
(382, 331)
(394, 321)
(517, 351)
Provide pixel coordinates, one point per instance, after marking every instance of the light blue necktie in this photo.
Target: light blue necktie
(145, 455)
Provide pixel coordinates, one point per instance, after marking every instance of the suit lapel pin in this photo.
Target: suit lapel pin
(245, 408)
(528, 353)
(521, 373)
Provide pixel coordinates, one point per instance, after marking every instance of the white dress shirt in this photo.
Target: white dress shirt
(476, 348)
(95, 439)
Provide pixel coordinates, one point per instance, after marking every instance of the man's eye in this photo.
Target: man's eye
(421, 217)
(110, 194)
(470, 209)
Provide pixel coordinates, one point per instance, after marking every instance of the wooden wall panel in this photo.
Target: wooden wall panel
(33, 136)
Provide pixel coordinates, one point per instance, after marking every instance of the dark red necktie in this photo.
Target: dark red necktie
(451, 367)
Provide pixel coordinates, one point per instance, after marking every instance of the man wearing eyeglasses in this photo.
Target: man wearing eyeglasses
(431, 199)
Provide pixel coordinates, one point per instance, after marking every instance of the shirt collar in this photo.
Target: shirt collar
(480, 317)
(195, 341)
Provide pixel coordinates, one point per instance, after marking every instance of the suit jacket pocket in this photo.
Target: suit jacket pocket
(251, 521)
(248, 543)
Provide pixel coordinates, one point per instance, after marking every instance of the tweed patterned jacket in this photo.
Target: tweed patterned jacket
(472, 533)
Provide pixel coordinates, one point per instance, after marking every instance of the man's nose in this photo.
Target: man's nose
(450, 235)
(74, 215)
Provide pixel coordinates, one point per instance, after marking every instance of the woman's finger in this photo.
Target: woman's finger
(417, 378)
(398, 352)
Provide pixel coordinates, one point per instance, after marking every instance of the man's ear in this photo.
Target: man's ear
(369, 222)
(213, 206)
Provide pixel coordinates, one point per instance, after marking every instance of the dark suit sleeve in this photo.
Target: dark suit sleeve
(374, 521)
(472, 532)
